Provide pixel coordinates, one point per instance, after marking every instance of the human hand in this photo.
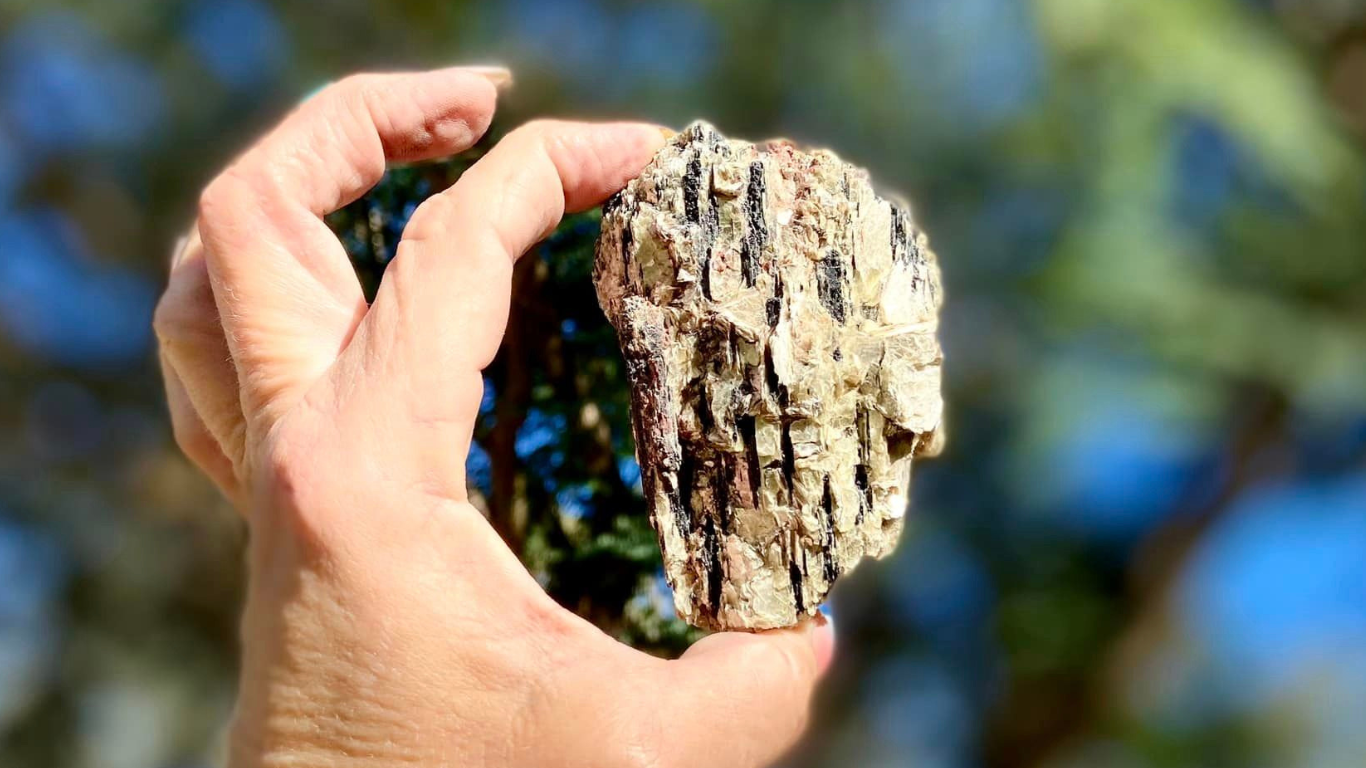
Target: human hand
(385, 622)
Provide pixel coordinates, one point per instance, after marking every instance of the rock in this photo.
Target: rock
(777, 319)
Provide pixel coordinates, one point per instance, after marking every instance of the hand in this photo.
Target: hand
(386, 623)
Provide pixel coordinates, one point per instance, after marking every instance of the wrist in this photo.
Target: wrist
(311, 693)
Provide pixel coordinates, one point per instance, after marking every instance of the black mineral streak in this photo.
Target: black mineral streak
(676, 504)
(830, 280)
(756, 234)
(865, 492)
(613, 204)
(777, 388)
(749, 262)
(773, 308)
(789, 460)
(749, 438)
(704, 414)
(712, 222)
(795, 574)
(685, 486)
(714, 344)
(861, 469)
(828, 505)
(900, 235)
(692, 190)
(721, 491)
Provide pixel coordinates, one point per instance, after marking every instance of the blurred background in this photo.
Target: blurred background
(1145, 546)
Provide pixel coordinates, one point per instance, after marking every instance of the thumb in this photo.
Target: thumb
(740, 699)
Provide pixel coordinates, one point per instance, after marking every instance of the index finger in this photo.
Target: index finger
(453, 268)
(286, 292)
(442, 307)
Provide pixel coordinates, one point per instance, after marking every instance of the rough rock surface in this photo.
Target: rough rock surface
(778, 322)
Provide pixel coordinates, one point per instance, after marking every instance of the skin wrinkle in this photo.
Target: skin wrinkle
(517, 187)
(189, 349)
(193, 436)
(360, 150)
(320, 263)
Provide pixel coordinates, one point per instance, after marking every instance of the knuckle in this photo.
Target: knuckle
(193, 439)
(294, 484)
(534, 127)
(354, 106)
(539, 131)
(186, 308)
(182, 316)
(353, 87)
(429, 219)
(164, 321)
(287, 490)
(350, 95)
(211, 202)
(221, 198)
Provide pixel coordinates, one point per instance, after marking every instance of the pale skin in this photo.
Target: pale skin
(386, 623)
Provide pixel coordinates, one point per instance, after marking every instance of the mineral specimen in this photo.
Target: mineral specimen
(777, 319)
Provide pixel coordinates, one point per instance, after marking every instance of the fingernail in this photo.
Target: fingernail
(667, 133)
(500, 76)
(827, 611)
